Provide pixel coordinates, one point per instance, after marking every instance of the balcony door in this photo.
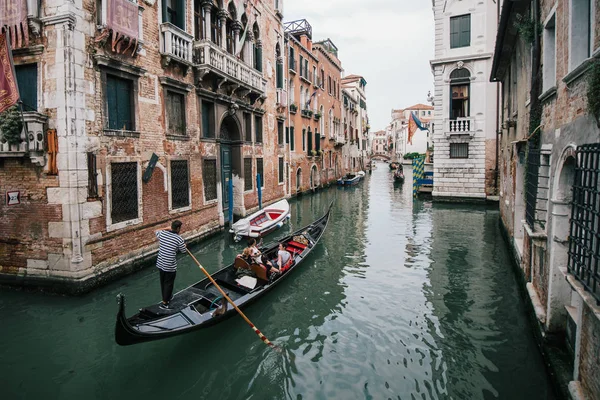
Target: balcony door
(230, 142)
(460, 88)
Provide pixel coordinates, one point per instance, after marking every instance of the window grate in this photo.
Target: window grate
(180, 184)
(210, 179)
(459, 150)
(124, 186)
(259, 171)
(537, 182)
(584, 237)
(247, 174)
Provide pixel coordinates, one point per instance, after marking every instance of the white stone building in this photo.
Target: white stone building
(356, 87)
(464, 99)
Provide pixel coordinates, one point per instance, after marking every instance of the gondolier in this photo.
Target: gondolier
(169, 244)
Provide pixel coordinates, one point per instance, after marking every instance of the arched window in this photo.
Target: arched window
(331, 130)
(215, 26)
(322, 120)
(278, 67)
(257, 48)
(291, 92)
(242, 51)
(298, 179)
(459, 92)
(199, 16)
(229, 32)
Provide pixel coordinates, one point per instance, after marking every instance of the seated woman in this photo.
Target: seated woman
(247, 257)
(283, 258)
(259, 258)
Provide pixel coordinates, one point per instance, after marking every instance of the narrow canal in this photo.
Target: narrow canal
(400, 300)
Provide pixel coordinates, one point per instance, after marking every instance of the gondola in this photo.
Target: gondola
(193, 307)
(399, 174)
(393, 165)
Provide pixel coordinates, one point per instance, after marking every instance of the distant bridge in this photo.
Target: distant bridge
(381, 156)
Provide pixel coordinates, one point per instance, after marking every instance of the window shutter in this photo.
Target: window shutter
(27, 82)
(465, 30)
(111, 100)
(310, 139)
(292, 139)
(259, 59)
(317, 141)
(453, 33)
(279, 76)
(181, 14)
(287, 135)
(124, 105)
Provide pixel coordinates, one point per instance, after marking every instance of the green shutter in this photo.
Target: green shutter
(310, 143)
(317, 141)
(124, 105)
(292, 139)
(111, 100)
(27, 82)
(181, 14)
(465, 31)
(287, 135)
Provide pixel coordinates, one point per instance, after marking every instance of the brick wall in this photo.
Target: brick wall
(589, 351)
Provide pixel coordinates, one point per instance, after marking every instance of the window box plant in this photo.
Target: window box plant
(293, 108)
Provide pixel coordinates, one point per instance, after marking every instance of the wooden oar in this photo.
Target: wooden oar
(259, 333)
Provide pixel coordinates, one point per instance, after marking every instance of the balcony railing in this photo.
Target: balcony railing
(32, 139)
(282, 98)
(208, 53)
(460, 126)
(340, 139)
(176, 43)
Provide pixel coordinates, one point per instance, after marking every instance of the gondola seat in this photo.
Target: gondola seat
(240, 263)
(260, 271)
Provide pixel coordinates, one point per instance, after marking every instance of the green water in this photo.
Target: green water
(400, 300)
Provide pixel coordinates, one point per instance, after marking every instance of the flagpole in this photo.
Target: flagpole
(12, 66)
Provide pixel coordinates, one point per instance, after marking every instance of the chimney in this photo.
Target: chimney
(306, 42)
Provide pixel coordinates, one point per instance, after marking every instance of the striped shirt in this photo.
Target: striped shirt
(169, 244)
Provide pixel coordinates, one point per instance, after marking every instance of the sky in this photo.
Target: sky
(388, 42)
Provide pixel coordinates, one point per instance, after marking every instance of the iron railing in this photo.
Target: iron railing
(247, 174)
(124, 201)
(584, 237)
(180, 184)
(537, 183)
(210, 179)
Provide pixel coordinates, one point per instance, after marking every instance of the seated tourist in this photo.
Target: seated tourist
(283, 257)
(260, 258)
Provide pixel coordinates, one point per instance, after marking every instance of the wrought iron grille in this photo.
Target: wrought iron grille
(537, 181)
(259, 171)
(584, 237)
(210, 179)
(280, 169)
(124, 184)
(180, 184)
(247, 174)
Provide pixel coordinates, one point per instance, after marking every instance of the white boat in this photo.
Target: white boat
(262, 222)
(361, 174)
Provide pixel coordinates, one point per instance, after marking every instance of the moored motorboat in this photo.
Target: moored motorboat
(349, 180)
(194, 307)
(262, 222)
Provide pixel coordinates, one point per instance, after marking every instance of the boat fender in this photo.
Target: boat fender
(279, 224)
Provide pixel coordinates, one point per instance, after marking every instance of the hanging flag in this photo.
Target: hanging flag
(307, 105)
(122, 25)
(13, 19)
(413, 124)
(9, 90)
(240, 44)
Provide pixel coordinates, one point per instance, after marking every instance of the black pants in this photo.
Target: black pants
(167, 280)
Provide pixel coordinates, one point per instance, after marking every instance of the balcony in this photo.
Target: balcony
(32, 140)
(460, 126)
(210, 58)
(339, 140)
(176, 45)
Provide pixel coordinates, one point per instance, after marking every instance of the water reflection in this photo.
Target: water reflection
(402, 299)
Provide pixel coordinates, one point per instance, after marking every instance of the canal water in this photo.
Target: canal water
(402, 299)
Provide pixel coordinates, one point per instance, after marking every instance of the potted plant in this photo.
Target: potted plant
(313, 152)
(309, 113)
(293, 108)
(317, 116)
(11, 126)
